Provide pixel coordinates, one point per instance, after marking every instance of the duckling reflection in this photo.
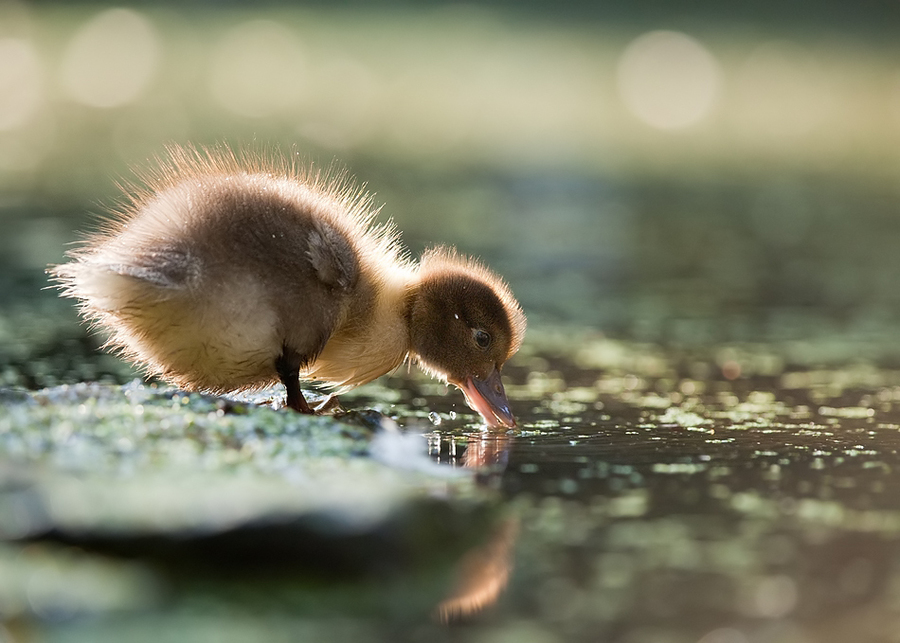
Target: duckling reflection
(487, 452)
(230, 271)
(483, 574)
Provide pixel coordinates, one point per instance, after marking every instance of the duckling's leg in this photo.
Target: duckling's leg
(288, 367)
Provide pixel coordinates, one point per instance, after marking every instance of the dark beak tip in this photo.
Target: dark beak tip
(504, 416)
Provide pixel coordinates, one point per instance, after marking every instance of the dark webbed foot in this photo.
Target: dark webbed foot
(288, 367)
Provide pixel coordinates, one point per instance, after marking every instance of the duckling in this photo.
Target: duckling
(226, 271)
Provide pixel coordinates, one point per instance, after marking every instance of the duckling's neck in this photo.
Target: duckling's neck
(374, 337)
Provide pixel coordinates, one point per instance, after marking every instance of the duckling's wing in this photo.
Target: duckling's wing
(332, 257)
(315, 275)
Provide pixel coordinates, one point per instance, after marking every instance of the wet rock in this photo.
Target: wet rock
(196, 495)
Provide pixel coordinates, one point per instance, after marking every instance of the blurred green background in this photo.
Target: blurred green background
(686, 173)
(701, 177)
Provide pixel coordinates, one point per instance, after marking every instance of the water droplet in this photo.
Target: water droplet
(435, 418)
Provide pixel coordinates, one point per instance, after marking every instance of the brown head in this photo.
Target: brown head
(464, 325)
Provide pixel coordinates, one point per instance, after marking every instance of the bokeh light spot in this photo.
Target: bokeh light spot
(258, 69)
(731, 370)
(20, 83)
(775, 596)
(668, 80)
(111, 59)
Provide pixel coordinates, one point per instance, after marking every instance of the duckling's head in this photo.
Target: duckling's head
(464, 325)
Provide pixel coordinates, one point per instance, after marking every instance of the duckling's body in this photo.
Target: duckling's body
(233, 273)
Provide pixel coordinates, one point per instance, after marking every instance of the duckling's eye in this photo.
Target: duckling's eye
(482, 338)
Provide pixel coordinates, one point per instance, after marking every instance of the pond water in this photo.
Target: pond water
(642, 509)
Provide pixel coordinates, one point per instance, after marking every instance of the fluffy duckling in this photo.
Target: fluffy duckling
(230, 272)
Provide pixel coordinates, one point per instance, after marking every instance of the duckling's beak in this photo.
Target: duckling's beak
(488, 398)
